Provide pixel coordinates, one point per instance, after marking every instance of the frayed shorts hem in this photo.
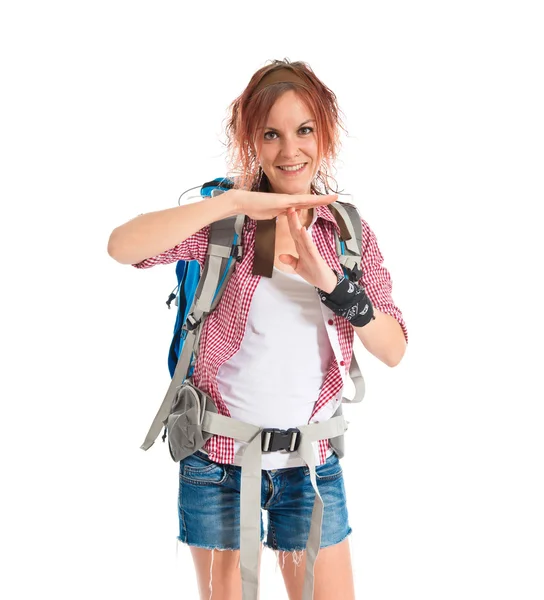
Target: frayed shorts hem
(326, 545)
(264, 543)
(204, 547)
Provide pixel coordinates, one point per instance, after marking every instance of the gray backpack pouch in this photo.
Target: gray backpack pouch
(184, 424)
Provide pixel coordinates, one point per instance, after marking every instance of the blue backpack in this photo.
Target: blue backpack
(188, 276)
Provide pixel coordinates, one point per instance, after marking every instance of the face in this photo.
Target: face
(288, 138)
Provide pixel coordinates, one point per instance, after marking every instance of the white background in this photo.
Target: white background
(111, 109)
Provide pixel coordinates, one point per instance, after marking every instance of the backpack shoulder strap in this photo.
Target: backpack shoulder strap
(349, 244)
(349, 250)
(224, 248)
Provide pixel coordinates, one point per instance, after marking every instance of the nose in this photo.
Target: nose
(289, 148)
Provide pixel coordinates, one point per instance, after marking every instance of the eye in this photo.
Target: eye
(310, 129)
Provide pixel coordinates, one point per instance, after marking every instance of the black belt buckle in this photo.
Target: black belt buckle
(280, 439)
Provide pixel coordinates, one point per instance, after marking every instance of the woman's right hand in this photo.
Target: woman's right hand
(264, 205)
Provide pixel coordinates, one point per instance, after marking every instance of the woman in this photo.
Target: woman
(277, 349)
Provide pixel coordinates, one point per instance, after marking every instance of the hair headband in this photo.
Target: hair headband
(282, 75)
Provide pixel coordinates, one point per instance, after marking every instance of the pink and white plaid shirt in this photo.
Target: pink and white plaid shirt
(224, 328)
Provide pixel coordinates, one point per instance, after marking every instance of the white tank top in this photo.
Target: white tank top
(275, 378)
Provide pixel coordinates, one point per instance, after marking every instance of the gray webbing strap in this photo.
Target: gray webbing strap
(353, 225)
(205, 298)
(177, 380)
(221, 236)
(205, 294)
(250, 496)
(219, 250)
(348, 261)
(349, 221)
(311, 433)
(358, 381)
(200, 306)
(250, 519)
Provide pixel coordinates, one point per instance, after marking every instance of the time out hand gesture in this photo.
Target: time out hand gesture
(263, 205)
(310, 265)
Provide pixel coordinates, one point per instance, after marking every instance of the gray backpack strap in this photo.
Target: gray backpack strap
(222, 234)
(221, 253)
(351, 233)
(333, 427)
(358, 381)
(250, 493)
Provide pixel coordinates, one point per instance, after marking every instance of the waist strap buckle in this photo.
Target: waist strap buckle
(280, 439)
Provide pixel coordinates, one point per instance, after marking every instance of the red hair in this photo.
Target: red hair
(250, 110)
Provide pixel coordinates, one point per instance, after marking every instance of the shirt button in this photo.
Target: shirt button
(331, 322)
(342, 363)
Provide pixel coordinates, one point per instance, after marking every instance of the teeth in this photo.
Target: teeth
(295, 168)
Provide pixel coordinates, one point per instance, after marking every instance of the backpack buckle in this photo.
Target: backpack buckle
(354, 274)
(280, 439)
(236, 253)
(191, 323)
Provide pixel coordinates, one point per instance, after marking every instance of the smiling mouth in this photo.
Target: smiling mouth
(293, 169)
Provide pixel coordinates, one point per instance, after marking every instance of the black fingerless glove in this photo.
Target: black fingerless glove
(349, 300)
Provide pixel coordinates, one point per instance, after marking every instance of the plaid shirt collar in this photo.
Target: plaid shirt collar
(324, 212)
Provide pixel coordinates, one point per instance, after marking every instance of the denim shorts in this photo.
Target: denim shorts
(209, 504)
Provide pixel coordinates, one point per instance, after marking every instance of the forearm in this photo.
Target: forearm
(380, 333)
(152, 233)
(383, 337)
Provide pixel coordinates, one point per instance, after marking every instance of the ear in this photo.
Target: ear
(256, 147)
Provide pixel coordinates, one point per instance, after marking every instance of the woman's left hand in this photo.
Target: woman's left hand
(310, 265)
